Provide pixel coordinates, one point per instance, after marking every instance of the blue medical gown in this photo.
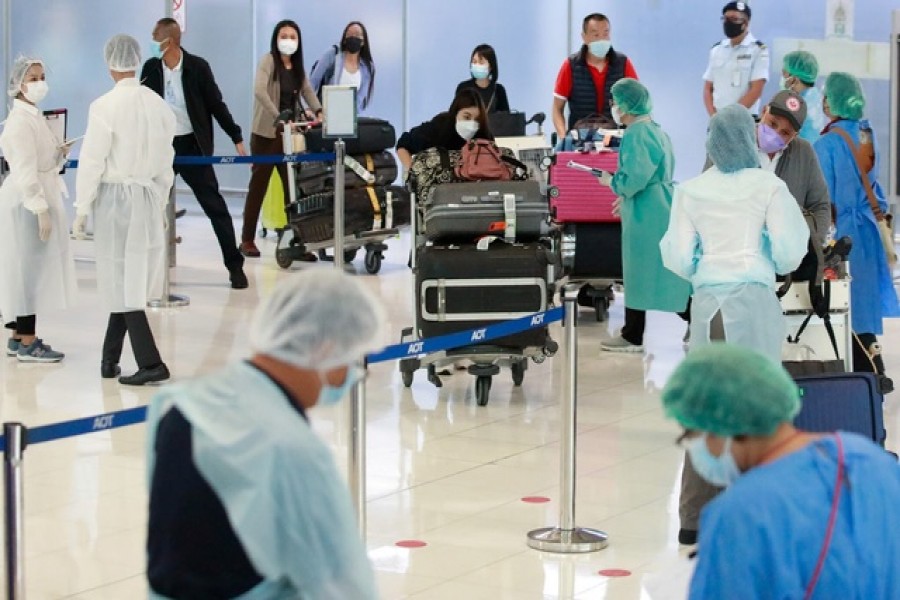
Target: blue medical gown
(278, 483)
(761, 538)
(872, 294)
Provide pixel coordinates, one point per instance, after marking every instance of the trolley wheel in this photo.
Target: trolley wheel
(482, 389)
(264, 232)
(601, 309)
(284, 257)
(349, 255)
(407, 377)
(553, 191)
(518, 372)
(373, 262)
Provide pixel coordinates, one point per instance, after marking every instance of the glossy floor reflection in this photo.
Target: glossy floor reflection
(440, 469)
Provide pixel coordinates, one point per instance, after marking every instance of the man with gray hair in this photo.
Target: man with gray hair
(245, 499)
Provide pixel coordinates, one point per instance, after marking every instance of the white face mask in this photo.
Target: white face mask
(35, 91)
(467, 129)
(616, 114)
(287, 46)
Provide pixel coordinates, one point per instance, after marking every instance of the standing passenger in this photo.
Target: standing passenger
(485, 79)
(348, 64)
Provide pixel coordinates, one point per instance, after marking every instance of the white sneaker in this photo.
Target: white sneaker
(620, 344)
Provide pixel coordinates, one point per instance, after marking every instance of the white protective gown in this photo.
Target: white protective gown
(124, 176)
(35, 276)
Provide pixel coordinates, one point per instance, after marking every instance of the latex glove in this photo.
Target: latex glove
(45, 225)
(79, 227)
(605, 178)
(617, 207)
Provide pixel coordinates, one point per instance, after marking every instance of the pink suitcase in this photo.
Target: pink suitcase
(576, 196)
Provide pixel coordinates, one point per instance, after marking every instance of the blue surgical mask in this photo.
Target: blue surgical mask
(717, 470)
(330, 395)
(480, 71)
(156, 49)
(600, 48)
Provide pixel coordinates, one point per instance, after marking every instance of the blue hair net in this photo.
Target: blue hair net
(731, 141)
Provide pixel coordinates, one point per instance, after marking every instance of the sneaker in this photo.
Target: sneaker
(12, 347)
(146, 375)
(38, 352)
(238, 278)
(620, 344)
(249, 249)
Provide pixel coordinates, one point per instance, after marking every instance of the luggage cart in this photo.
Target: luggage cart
(531, 150)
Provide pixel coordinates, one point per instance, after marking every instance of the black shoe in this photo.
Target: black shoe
(687, 537)
(238, 278)
(146, 375)
(109, 370)
(308, 257)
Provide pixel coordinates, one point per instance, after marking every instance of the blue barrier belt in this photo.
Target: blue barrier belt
(261, 159)
(134, 416)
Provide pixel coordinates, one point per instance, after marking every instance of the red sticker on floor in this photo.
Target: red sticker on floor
(615, 573)
(535, 499)
(411, 544)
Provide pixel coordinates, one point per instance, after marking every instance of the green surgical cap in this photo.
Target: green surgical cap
(845, 96)
(632, 97)
(802, 65)
(729, 390)
(731, 140)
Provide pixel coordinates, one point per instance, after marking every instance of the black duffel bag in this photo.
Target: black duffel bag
(372, 135)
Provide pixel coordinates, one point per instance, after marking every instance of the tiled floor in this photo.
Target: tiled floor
(440, 468)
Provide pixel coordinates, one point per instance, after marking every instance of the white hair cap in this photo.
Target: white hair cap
(122, 54)
(318, 319)
(17, 76)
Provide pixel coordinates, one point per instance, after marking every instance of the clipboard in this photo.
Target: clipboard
(57, 120)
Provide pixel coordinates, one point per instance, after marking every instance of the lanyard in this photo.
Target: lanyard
(829, 533)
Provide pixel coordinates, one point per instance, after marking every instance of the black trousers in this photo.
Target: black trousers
(636, 322)
(203, 183)
(26, 325)
(143, 345)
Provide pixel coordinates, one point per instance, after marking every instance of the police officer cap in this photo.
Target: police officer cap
(791, 106)
(738, 6)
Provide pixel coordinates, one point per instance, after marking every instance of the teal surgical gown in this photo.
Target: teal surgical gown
(872, 294)
(644, 182)
(815, 116)
(762, 536)
(278, 483)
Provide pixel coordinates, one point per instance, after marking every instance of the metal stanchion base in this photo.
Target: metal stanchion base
(567, 541)
(174, 301)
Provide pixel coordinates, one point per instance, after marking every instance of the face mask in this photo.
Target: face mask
(287, 46)
(783, 83)
(769, 140)
(616, 114)
(600, 48)
(156, 50)
(716, 470)
(480, 71)
(732, 29)
(36, 91)
(330, 395)
(353, 44)
(467, 129)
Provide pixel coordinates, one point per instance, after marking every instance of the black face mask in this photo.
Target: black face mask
(732, 29)
(352, 45)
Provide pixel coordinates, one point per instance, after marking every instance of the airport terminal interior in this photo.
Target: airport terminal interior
(453, 488)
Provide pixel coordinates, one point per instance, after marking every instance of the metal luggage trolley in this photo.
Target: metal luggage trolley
(486, 358)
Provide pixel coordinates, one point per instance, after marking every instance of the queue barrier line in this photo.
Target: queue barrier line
(261, 159)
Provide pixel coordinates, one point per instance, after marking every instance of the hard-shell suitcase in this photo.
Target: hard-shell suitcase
(365, 209)
(515, 210)
(462, 287)
(576, 196)
(318, 177)
(506, 123)
(372, 135)
(842, 401)
(592, 250)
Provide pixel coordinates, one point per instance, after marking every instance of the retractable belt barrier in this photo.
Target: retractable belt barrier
(262, 159)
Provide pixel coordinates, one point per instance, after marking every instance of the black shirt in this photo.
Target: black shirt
(290, 88)
(493, 96)
(439, 132)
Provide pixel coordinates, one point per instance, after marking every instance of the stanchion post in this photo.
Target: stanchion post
(356, 468)
(168, 299)
(568, 538)
(339, 151)
(14, 509)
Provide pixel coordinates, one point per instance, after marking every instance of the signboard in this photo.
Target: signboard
(179, 13)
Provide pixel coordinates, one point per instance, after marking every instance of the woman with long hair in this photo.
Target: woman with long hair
(485, 74)
(349, 63)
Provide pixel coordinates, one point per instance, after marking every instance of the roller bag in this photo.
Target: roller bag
(515, 210)
(842, 401)
(592, 250)
(365, 209)
(318, 177)
(462, 287)
(372, 135)
(576, 196)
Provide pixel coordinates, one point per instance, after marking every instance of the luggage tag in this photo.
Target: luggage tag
(485, 242)
(509, 211)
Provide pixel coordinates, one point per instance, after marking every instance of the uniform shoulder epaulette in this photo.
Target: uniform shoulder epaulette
(716, 45)
(760, 43)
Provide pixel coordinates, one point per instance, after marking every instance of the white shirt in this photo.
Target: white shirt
(348, 78)
(769, 164)
(173, 93)
(731, 69)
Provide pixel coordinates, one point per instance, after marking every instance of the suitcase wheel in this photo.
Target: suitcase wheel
(373, 261)
(601, 309)
(482, 389)
(518, 371)
(433, 377)
(407, 377)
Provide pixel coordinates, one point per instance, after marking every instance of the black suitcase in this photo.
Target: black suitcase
(372, 135)
(461, 287)
(365, 209)
(469, 210)
(842, 401)
(318, 177)
(592, 250)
